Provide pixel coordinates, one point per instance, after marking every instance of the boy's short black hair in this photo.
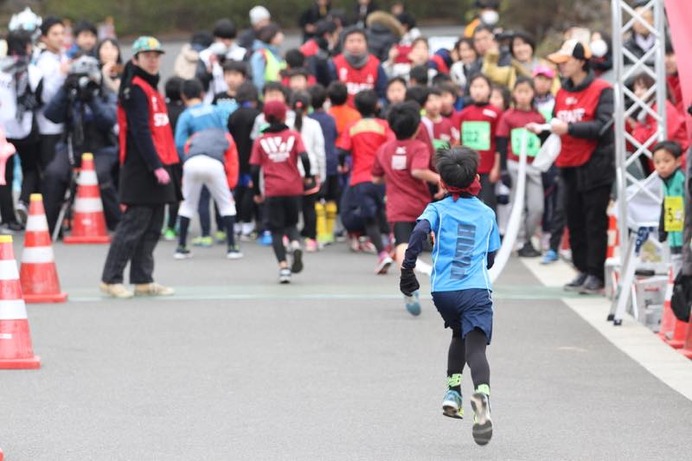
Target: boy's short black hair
(394, 80)
(337, 93)
(275, 86)
(173, 88)
(404, 119)
(318, 94)
(418, 94)
(48, 23)
(366, 103)
(672, 147)
(457, 166)
(192, 89)
(419, 74)
(440, 78)
(85, 26)
(247, 92)
(449, 87)
(294, 58)
(230, 65)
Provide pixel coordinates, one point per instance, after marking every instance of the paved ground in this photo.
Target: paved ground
(237, 367)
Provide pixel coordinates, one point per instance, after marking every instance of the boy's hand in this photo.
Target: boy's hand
(408, 283)
(258, 199)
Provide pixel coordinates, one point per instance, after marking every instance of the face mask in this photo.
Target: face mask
(490, 17)
(599, 48)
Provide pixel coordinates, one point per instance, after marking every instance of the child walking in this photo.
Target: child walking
(403, 165)
(276, 152)
(466, 240)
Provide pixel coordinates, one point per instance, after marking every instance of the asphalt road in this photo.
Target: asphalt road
(331, 367)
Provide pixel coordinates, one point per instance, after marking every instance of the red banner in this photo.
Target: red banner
(679, 18)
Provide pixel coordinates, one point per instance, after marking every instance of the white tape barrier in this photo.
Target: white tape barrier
(510, 238)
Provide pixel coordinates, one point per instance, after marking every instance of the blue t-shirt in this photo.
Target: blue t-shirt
(465, 232)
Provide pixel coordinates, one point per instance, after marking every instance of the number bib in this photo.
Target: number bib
(533, 142)
(674, 219)
(476, 135)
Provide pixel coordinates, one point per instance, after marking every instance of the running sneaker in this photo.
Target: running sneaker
(451, 405)
(22, 212)
(285, 275)
(413, 303)
(153, 289)
(182, 252)
(482, 424)
(528, 251)
(266, 239)
(311, 245)
(366, 246)
(550, 257)
(383, 263)
(246, 237)
(233, 252)
(203, 241)
(169, 234)
(297, 265)
(220, 236)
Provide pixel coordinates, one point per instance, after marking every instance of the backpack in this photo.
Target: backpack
(682, 297)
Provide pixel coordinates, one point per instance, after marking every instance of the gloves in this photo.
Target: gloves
(506, 179)
(408, 283)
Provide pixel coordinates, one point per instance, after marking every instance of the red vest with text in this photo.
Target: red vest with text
(356, 80)
(159, 125)
(573, 107)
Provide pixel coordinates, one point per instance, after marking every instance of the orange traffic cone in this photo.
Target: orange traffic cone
(37, 271)
(687, 345)
(665, 331)
(15, 339)
(679, 335)
(89, 223)
(613, 237)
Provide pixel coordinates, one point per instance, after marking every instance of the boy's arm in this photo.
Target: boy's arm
(491, 259)
(415, 244)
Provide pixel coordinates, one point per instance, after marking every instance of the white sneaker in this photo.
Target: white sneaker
(115, 290)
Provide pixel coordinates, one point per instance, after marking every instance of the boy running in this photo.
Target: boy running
(361, 140)
(466, 239)
(402, 164)
(276, 152)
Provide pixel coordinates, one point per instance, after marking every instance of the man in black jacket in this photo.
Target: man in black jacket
(147, 158)
(87, 109)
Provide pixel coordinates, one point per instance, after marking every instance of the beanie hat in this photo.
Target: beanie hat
(275, 111)
(259, 14)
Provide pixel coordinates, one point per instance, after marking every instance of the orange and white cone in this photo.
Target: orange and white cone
(16, 351)
(665, 331)
(89, 222)
(37, 272)
(613, 238)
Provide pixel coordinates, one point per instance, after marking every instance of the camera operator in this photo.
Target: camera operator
(88, 110)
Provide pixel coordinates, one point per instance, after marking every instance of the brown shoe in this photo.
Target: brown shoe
(116, 290)
(153, 289)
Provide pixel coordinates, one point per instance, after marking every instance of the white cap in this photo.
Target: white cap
(258, 14)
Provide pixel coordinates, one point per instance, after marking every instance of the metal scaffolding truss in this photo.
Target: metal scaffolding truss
(626, 66)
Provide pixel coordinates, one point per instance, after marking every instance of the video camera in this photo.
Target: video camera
(84, 79)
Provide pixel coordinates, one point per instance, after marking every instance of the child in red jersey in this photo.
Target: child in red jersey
(449, 100)
(510, 136)
(403, 165)
(442, 131)
(477, 124)
(361, 140)
(276, 152)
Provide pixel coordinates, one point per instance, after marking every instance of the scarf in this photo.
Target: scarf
(357, 62)
(472, 189)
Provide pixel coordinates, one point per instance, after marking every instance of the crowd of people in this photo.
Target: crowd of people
(362, 134)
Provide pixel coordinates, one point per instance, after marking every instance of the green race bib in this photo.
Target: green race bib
(533, 142)
(674, 219)
(476, 135)
(440, 144)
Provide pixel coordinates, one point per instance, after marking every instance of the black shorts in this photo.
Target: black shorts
(282, 212)
(402, 232)
(466, 310)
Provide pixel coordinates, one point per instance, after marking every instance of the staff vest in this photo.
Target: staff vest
(159, 125)
(273, 66)
(574, 107)
(356, 80)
